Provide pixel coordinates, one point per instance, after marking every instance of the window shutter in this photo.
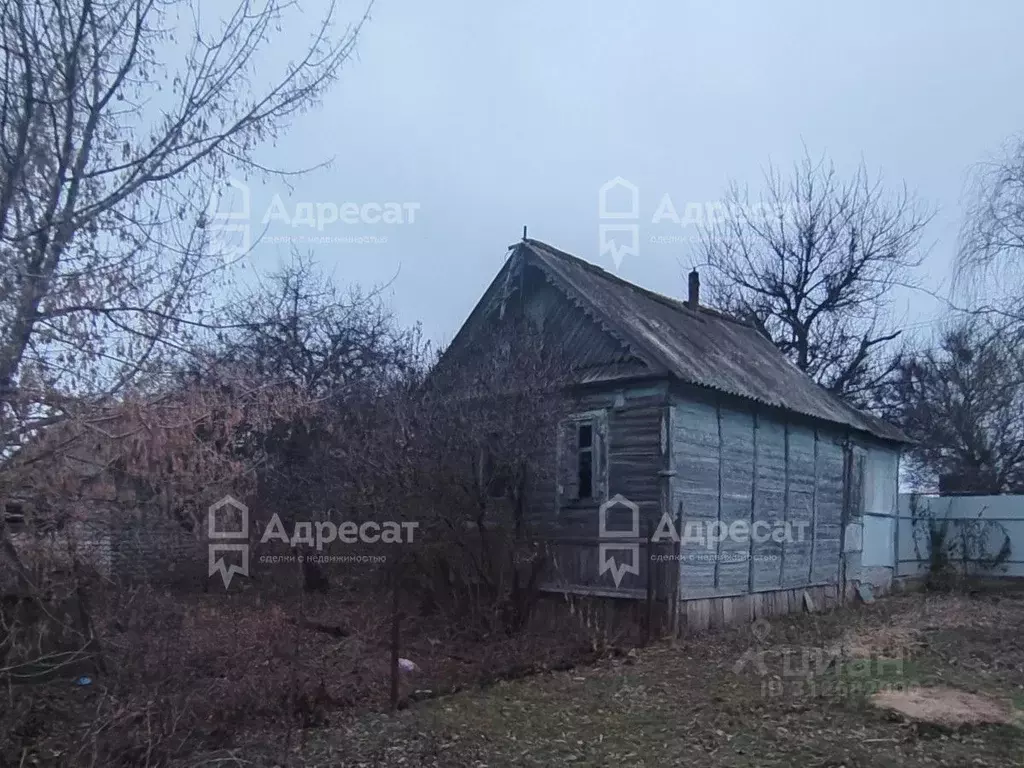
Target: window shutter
(567, 448)
(601, 457)
(568, 456)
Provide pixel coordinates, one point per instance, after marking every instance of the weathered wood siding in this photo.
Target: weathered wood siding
(709, 459)
(591, 350)
(881, 494)
(733, 463)
(696, 459)
(736, 429)
(585, 343)
(770, 500)
(634, 453)
(828, 508)
(869, 539)
(634, 456)
(800, 484)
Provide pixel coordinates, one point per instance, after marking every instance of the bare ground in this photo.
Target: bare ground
(796, 691)
(947, 707)
(710, 701)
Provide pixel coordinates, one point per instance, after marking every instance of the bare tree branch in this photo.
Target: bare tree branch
(811, 263)
(108, 155)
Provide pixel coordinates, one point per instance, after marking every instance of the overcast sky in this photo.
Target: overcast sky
(490, 116)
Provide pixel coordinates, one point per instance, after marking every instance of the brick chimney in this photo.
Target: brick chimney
(693, 302)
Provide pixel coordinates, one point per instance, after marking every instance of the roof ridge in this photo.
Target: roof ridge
(669, 301)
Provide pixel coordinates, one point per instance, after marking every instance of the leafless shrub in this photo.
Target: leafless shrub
(956, 550)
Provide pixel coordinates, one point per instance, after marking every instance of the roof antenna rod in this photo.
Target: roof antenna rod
(524, 231)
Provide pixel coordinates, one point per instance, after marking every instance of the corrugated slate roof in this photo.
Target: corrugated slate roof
(702, 347)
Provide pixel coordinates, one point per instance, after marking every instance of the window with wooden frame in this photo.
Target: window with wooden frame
(581, 458)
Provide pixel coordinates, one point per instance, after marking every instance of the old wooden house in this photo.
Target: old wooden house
(678, 412)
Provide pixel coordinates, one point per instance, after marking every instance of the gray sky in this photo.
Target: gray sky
(491, 116)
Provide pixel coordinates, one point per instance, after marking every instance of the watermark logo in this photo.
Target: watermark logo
(835, 671)
(619, 230)
(231, 535)
(710, 533)
(323, 532)
(234, 513)
(609, 563)
(699, 540)
(618, 200)
(228, 216)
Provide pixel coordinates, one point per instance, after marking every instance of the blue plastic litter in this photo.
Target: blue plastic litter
(83, 681)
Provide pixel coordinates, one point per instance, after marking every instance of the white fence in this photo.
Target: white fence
(988, 520)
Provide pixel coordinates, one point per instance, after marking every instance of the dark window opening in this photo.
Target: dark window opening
(585, 461)
(495, 474)
(496, 477)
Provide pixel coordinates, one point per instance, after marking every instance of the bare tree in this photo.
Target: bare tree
(991, 253)
(812, 263)
(962, 400)
(299, 325)
(341, 350)
(119, 118)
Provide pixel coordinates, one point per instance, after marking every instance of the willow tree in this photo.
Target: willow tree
(991, 255)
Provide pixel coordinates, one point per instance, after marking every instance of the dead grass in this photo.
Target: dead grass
(688, 703)
(202, 668)
(887, 642)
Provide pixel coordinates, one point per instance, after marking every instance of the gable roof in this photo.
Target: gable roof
(701, 347)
